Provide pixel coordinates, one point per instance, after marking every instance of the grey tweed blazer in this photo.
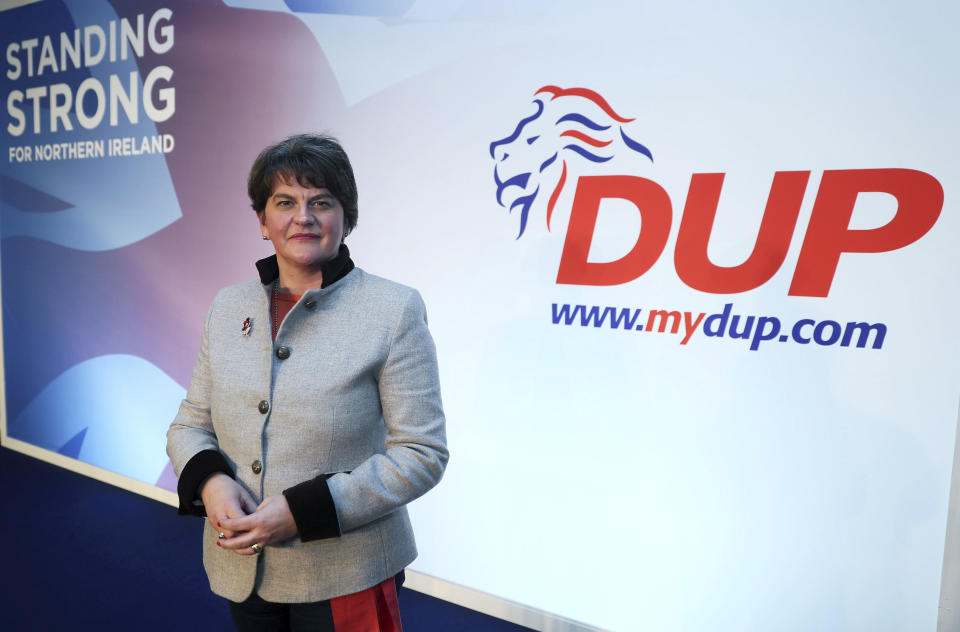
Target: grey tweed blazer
(357, 397)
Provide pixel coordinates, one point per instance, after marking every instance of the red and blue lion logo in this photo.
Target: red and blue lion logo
(529, 158)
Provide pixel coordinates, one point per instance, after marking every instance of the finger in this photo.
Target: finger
(222, 531)
(247, 502)
(243, 523)
(243, 540)
(234, 509)
(229, 534)
(214, 521)
(241, 549)
(245, 551)
(221, 513)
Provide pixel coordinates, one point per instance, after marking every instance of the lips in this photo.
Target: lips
(305, 236)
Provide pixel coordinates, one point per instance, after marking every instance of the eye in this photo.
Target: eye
(505, 156)
(321, 204)
(531, 139)
(283, 203)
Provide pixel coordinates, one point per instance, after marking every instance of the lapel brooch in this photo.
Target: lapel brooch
(246, 327)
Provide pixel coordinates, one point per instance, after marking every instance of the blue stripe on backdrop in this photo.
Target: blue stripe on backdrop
(83, 555)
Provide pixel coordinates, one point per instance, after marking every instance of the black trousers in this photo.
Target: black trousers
(257, 615)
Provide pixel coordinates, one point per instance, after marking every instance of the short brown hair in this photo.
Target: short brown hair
(314, 160)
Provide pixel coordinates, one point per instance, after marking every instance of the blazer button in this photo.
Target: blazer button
(283, 352)
(263, 406)
(256, 466)
(310, 305)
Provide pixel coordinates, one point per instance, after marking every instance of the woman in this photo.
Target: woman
(313, 414)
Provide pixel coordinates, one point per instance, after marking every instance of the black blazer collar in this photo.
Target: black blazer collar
(333, 270)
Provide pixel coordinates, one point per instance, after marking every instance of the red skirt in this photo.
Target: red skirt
(371, 610)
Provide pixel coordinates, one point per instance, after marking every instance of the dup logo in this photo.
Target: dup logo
(528, 160)
(574, 127)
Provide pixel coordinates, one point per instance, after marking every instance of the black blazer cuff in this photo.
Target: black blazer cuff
(313, 510)
(200, 466)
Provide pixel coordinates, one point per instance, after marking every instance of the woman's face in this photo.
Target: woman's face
(304, 224)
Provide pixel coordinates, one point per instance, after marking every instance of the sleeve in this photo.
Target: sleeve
(313, 510)
(415, 452)
(191, 440)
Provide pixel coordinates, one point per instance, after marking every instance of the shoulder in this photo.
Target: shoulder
(373, 288)
(232, 297)
(387, 301)
(240, 291)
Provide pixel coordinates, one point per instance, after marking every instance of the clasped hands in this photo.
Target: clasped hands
(233, 512)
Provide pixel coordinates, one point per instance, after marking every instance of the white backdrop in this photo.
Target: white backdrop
(625, 480)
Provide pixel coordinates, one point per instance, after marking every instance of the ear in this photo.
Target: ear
(262, 219)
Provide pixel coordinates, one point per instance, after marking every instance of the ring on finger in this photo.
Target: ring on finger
(257, 548)
(221, 536)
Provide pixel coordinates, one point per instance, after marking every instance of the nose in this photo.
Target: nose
(303, 215)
